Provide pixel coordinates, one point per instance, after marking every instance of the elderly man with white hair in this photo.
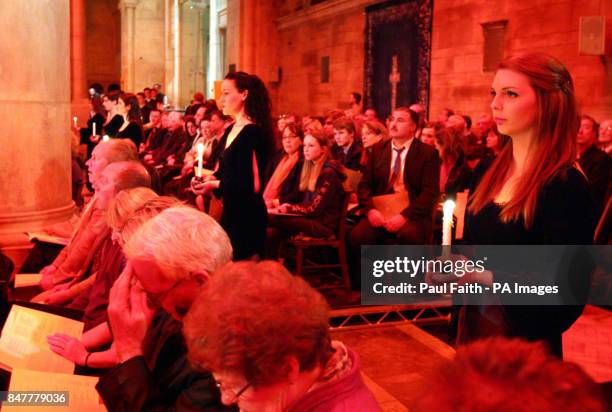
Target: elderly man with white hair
(168, 259)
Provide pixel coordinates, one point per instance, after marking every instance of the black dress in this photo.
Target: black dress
(133, 131)
(244, 215)
(565, 215)
(112, 128)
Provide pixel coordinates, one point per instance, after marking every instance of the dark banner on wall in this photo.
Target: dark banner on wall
(397, 54)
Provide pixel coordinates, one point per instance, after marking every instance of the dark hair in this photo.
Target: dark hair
(140, 94)
(414, 116)
(593, 121)
(468, 121)
(448, 111)
(98, 88)
(357, 97)
(198, 96)
(96, 105)
(113, 87)
(146, 88)
(217, 113)
(134, 111)
(113, 96)
(346, 124)
(257, 105)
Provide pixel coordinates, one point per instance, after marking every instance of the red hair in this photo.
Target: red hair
(553, 148)
(501, 374)
(251, 318)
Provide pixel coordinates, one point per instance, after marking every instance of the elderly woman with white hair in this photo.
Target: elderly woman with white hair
(168, 259)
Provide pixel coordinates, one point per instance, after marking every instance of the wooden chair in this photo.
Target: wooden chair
(337, 242)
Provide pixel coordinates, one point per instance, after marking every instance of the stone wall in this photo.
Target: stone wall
(149, 52)
(103, 42)
(550, 26)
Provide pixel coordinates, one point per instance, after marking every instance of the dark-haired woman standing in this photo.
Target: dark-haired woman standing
(127, 106)
(239, 179)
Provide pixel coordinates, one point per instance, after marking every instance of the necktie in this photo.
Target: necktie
(396, 166)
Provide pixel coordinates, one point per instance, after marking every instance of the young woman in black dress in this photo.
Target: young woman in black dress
(239, 179)
(530, 194)
(127, 107)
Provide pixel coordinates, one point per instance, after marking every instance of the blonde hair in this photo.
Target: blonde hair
(125, 203)
(311, 170)
(376, 127)
(181, 240)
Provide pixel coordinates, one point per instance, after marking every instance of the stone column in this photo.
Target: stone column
(214, 51)
(79, 94)
(128, 43)
(35, 181)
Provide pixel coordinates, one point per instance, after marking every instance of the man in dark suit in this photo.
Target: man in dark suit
(595, 163)
(403, 164)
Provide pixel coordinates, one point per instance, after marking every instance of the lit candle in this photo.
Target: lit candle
(94, 129)
(200, 149)
(105, 138)
(165, 101)
(75, 120)
(447, 222)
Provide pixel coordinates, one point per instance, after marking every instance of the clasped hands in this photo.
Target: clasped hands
(392, 224)
(204, 185)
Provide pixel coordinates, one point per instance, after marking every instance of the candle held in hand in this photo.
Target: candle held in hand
(200, 150)
(93, 133)
(447, 222)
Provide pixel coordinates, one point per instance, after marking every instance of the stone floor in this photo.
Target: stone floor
(395, 359)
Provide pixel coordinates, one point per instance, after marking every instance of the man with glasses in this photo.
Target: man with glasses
(169, 258)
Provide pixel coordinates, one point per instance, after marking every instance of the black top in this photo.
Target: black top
(597, 165)
(290, 188)
(565, 215)
(326, 201)
(244, 215)
(112, 128)
(351, 159)
(86, 132)
(133, 131)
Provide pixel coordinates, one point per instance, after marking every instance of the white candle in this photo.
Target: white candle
(105, 138)
(75, 120)
(447, 222)
(200, 149)
(94, 128)
(165, 101)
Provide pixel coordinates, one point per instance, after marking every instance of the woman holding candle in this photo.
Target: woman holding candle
(97, 115)
(239, 179)
(531, 194)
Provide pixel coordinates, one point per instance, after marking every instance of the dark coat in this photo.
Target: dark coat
(421, 178)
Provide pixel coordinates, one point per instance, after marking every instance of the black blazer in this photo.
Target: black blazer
(421, 178)
(351, 159)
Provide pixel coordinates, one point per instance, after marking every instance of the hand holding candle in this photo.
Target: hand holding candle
(200, 150)
(93, 125)
(447, 222)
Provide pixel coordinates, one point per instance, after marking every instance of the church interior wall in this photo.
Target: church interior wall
(103, 41)
(149, 52)
(551, 26)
